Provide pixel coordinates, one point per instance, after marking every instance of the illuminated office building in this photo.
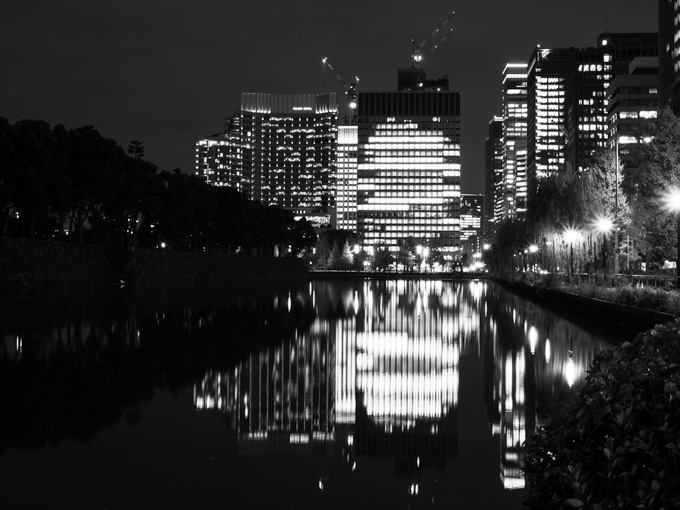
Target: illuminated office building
(595, 68)
(514, 140)
(548, 76)
(669, 54)
(409, 169)
(633, 99)
(289, 151)
(471, 215)
(346, 194)
(218, 157)
(493, 182)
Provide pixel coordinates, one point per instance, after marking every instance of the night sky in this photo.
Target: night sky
(167, 72)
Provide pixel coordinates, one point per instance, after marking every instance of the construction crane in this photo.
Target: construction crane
(350, 86)
(429, 41)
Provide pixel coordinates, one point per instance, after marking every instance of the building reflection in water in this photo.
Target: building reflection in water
(377, 374)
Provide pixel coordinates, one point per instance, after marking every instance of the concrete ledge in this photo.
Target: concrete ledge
(591, 310)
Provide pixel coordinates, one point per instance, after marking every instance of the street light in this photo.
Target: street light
(672, 204)
(533, 249)
(604, 225)
(570, 234)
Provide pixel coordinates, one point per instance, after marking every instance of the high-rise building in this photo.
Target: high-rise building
(346, 194)
(514, 103)
(669, 54)
(548, 76)
(494, 182)
(409, 169)
(289, 151)
(633, 99)
(218, 157)
(587, 100)
(471, 220)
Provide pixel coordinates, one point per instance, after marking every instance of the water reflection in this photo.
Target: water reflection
(346, 371)
(377, 373)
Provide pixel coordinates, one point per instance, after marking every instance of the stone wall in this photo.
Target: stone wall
(29, 264)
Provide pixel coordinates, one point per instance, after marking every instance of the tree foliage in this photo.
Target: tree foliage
(658, 172)
(618, 445)
(79, 186)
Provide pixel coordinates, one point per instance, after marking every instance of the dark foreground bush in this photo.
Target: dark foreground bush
(618, 445)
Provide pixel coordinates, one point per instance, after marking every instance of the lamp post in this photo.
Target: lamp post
(533, 249)
(672, 203)
(570, 235)
(604, 225)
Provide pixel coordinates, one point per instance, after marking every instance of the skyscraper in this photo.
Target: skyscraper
(548, 75)
(595, 68)
(494, 182)
(409, 169)
(218, 157)
(346, 195)
(471, 218)
(514, 140)
(289, 151)
(633, 99)
(669, 54)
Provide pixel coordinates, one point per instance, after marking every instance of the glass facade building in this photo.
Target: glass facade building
(548, 77)
(346, 196)
(471, 216)
(289, 151)
(514, 140)
(494, 183)
(218, 157)
(409, 169)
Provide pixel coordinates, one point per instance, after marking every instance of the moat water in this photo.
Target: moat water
(323, 394)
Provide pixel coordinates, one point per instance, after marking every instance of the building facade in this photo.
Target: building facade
(409, 169)
(633, 100)
(218, 157)
(548, 77)
(669, 54)
(471, 221)
(346, 195)
(494, 179)
(289, 151)
(514, 103)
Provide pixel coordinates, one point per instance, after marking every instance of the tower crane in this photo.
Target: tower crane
(429, 41)
(350, 86)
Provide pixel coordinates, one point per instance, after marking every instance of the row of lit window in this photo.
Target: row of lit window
(644, 114)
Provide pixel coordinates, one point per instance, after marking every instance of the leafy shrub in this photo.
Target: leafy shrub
(663, 300)
(618, 444)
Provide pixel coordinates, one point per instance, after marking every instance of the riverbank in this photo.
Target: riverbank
(599, 313)
(31, 265)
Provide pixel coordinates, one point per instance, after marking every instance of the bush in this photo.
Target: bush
(618, 445)
(662, 300)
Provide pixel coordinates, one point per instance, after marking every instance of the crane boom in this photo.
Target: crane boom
(350, 85)
(427, 43)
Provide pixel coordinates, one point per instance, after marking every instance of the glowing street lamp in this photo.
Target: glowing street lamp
(604, 226)
(672, 204)
(570, 235)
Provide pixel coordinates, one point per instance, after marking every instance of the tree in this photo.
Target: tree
(323, 252)
(434, 257)
(382, 258)
(658, 171)
(96, 176)
(407, 252)
(136, 149)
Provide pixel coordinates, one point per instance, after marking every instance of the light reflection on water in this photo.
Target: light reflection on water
(415, 374)
(382, 377)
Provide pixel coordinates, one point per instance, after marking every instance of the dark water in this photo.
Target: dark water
(366, 394)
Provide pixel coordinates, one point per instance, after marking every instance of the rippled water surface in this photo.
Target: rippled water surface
(324, 394)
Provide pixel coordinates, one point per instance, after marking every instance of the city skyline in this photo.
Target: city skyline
(169, 73)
